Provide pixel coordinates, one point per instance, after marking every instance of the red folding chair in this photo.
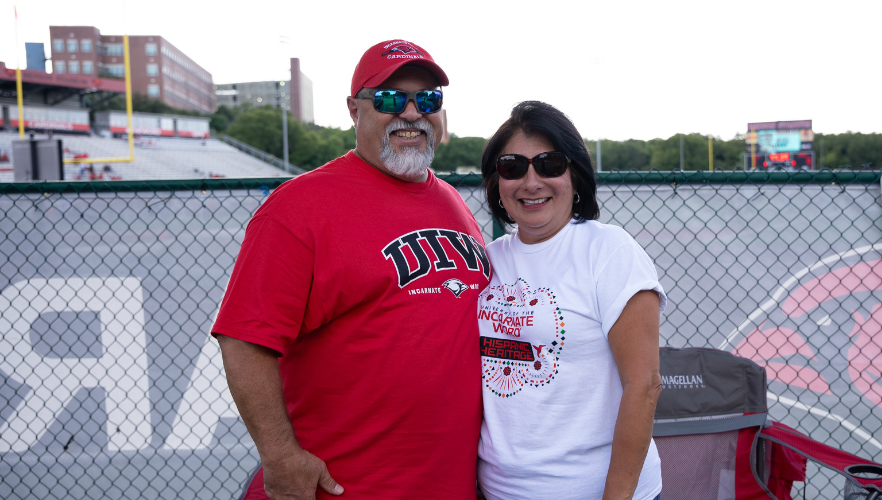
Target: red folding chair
(716, 441)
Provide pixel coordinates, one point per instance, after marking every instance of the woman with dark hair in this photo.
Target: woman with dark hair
(569, 327)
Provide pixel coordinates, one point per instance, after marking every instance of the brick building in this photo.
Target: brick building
(159, 70)
(295, 94)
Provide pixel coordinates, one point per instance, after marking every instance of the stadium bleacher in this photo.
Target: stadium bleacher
(155, 159)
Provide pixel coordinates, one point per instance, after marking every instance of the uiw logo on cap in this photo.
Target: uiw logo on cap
(401, 49)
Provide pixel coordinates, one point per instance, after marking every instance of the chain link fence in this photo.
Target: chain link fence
(111, 388)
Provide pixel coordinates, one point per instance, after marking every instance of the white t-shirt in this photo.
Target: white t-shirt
(551, 386)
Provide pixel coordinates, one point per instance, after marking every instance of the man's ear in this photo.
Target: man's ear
(352, 104)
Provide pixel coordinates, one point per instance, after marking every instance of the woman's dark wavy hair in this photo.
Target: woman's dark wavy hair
(538, 118)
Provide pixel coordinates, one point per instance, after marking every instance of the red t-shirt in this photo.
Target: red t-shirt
(367, 286)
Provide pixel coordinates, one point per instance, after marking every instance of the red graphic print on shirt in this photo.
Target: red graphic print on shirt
(527, 339)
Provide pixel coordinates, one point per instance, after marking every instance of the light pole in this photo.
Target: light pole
(285, 134)
(682, 158)
(284, 40)
(710, 153)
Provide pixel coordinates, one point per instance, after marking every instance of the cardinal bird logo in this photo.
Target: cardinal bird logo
(830, 304)
(403, 49)
(455, 286)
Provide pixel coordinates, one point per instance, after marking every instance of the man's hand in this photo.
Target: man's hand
(297, 477)
(289, 471)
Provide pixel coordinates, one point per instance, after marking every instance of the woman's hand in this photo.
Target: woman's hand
(634, 343)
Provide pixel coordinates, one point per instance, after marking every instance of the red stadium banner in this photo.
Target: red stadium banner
(50, 125)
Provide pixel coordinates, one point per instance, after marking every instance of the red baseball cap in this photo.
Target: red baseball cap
(380, 61)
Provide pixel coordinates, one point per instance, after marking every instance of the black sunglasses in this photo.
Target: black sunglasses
(549, 164)
(394, 101)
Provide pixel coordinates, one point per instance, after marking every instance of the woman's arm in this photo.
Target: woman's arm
(634, 343)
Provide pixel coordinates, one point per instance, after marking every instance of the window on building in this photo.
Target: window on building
(152, 70)
(150, 49)
(86, 45)
(117, 70)
(153, 90)
(72, 46)
(58, 45)
(88, 68)
(113, 49)
(59, 67)
(73, 67)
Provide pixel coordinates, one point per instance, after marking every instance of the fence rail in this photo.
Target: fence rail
(110, 386)
(737, 177)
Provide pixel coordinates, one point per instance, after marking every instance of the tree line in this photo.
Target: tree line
(846, 150)
(310, 145)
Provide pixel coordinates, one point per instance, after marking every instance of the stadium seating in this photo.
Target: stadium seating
(155, 159)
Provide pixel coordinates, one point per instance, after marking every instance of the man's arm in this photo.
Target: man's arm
(289, 471)
(634, 343)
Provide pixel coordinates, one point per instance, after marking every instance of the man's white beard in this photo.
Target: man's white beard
(411, 162)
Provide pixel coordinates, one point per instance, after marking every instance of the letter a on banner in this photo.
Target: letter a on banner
(205, 402)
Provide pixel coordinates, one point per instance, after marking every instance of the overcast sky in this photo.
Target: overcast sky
(619, 69)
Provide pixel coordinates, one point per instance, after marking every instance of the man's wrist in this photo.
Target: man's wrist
(279, 451)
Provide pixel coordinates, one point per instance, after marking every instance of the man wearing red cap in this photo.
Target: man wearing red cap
(348, 327)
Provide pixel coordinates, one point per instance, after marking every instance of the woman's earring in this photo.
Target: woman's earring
(500, 204)
(577, 199)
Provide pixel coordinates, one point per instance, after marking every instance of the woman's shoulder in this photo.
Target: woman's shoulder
(589, 232)
(606, 243)
(500, 243)
(604, 235)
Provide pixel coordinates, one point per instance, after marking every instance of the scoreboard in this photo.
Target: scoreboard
(773, 145)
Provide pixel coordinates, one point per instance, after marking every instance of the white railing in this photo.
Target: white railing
(261, 155)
